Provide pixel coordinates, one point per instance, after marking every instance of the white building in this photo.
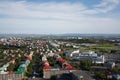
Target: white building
(71, 53)
(54, 44)
(91, 55)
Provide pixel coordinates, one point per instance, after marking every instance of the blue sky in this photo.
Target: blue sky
(60, 16)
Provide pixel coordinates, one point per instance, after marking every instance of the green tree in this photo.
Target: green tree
(10, 67)
(53, 77)
(17, 64)
(85, 64)
(100, 75)
(30, 67)
(76, 65)
(52, 62)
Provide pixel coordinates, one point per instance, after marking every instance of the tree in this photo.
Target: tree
(30, 67)
(100, 75)
(85, 64)
(52, 62)
(10, 67)
(53, 77)
(76, 65)
(115, 69)
(17, 64)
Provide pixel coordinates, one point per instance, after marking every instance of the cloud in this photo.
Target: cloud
(63, 10)
(53, 17)
(107, 5)
(42, 10)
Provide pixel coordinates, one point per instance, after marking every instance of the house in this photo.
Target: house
(109, 65)
(71, 53)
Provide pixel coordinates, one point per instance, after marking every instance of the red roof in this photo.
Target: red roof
(61, 60)
(46, 63)
(46, 67)
(69, 67)
(11, 72)
(13, 59)
(29, 58)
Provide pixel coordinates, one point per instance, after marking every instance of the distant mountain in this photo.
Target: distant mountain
(61, 35)
(91, 35)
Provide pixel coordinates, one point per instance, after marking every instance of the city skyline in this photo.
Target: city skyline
(60, 16)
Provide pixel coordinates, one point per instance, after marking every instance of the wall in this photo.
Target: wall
(11, 76)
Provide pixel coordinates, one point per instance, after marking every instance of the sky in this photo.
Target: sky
(60, 16)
